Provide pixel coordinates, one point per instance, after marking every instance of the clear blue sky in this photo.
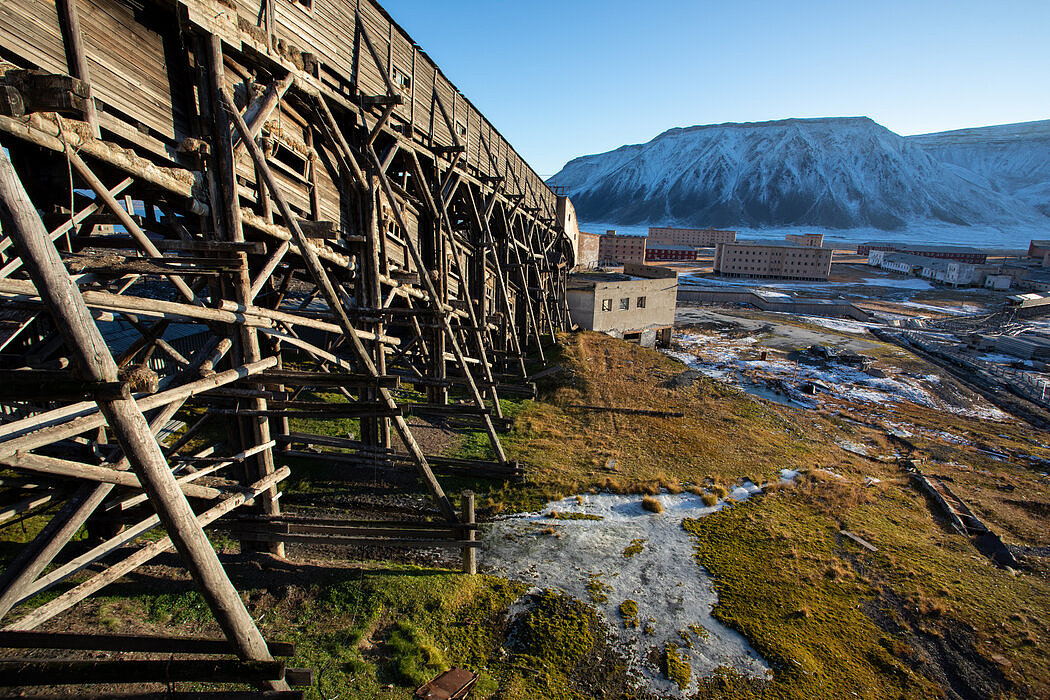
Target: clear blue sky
(568, 78)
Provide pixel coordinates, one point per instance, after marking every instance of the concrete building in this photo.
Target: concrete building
(638, 304)
(614, 249)
(998, 282)
(811, 240)
(773, 260)
(666, 252)
(587, 251)
(965, 254)
(1038, 249)
(951, 272)
(1035, 281)
(697, 237)
(904, 263)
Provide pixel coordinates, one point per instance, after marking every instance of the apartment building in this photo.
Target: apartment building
(773, 260)
(614, 249)
(964, 254)
(665, 252)
(696, 237)
(810, 240)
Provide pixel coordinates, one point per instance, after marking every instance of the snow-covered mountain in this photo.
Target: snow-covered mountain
(834, 173)
(1013, 158)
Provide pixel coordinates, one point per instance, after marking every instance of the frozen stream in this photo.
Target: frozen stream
(674, 594)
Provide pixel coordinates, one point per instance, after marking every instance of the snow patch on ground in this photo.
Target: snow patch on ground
(672, 591)
(723, 358)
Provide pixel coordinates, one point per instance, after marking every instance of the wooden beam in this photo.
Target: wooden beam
(335, 305)
(20, 220)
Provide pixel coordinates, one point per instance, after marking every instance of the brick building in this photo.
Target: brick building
(665, 252)
(696, 237)
(614, 249)
(812, 240)
(773, 260)
(587, 250)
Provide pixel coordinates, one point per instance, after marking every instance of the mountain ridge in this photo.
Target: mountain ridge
(836, 172)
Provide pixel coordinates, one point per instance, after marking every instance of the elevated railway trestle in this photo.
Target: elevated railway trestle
(230, 206)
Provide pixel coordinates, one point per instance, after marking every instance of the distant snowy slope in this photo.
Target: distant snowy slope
(1013, 158)
(835, 173)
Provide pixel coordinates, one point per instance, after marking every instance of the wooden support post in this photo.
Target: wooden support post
(335, 305)
(257, 426)
(440, 307)
(84, 341)
(470, 560)
(75, 58)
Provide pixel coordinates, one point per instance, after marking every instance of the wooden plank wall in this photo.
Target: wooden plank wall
(129, 71)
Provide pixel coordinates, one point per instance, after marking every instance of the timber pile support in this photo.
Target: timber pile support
(218, 217)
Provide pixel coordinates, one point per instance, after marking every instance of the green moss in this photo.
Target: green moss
(598, 590)
(559, 630)
(629, 613)
(700, 631)
(634, 548)
(676, 666)
(414, 655)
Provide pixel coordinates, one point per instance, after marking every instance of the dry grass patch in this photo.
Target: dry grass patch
(652, 504)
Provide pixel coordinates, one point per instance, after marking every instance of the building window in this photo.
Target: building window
(402, 79)
(461, 128)
(641, 303)
(606, 304)
(625, 304)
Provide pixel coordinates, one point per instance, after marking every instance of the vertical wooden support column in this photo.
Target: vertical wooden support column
(259, 426)
(60, 295)
(470, 557)
(75, 58)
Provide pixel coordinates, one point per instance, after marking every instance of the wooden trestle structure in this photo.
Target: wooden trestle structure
(227, 205)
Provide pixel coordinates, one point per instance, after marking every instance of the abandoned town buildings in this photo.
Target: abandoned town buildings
(616, 249)
(787, 259)
(637, 304)
(947, 252)
(694, 237)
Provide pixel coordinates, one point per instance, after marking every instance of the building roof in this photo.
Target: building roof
(765, 242)
(906, 247)
(909, 258)
(941, 249)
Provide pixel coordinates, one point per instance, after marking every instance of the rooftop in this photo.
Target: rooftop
(765, 242)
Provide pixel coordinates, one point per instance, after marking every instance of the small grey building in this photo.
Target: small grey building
(637, 304)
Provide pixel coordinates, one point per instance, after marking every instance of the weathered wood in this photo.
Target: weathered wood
(335, 305)
(26, 672)
(76, 59)
(41, 260)
(79, 470)
(116, 571)
(128, 642)
(470, 561)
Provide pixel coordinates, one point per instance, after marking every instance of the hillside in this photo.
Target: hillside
(1014, 158)
(838, 173)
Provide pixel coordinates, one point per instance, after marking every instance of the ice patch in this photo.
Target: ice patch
(672, 591)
